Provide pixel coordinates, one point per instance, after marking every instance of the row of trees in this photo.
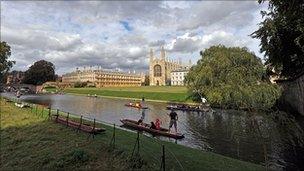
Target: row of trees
(39, 73)
(5, 63)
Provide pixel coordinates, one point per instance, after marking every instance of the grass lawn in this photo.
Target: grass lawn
(29, 140)
(160, 93)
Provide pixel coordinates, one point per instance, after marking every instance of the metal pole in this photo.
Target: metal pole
(36, 109)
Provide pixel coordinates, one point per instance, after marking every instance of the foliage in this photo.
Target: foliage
(231, 78)
(147, 81)
(282, 36)
(80, 84)
(40, 72)
(5, 64)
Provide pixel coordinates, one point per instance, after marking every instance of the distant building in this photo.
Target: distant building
(178, 77)
(160, 68)
(15, 77)
(101, 78)
(85, 75)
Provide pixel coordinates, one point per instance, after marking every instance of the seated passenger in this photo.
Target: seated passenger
(140, 122)
(152, 126)
(157, 124)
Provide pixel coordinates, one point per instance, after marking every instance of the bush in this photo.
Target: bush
(80, 84)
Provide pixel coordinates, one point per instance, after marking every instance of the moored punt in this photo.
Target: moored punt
(185, 107)
(21, 105)
(77, 125)
(146, 127)
(135, 106)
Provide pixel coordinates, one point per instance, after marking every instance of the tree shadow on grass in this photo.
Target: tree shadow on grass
(46, 144)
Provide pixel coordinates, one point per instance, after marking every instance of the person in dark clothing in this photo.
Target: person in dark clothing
(173, 120)
(153, 126)
(140, 122)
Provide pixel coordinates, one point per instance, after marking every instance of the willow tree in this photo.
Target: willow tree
(231, 78)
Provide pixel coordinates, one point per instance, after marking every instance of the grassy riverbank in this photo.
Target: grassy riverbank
(29, 140)
(157, 93)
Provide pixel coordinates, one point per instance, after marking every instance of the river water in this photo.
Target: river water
(267, 139)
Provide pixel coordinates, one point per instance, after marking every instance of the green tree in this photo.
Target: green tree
(147, 81)
(282, 36)
(40, 72)
(231, 78)
(5, 64)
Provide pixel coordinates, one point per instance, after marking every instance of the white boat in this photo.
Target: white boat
(21, 105)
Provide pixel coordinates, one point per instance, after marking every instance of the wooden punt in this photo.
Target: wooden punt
(77, 125)
(146, 127)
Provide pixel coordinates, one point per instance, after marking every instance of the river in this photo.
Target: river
(255, 137)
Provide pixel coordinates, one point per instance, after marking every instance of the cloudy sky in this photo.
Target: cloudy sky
(119, 34)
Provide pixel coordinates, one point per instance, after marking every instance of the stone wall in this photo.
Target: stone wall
(292, 99)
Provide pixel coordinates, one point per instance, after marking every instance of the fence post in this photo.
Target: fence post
(114, 138)
(67, 120)
(50, 112)
(136, 143)
(41, 114)
(36, 109)
(57, 114)
(80, 123)
(163, 162)
(112, 143)
(94, 129)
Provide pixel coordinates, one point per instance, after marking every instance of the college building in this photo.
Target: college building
(160, 68)
(178, 77)
(101, 78)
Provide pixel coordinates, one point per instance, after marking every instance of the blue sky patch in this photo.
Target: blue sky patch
(126, 25)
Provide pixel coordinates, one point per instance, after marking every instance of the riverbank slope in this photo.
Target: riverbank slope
(150, 93)
(31, 141)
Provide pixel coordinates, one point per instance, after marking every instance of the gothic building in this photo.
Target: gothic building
(160, 68)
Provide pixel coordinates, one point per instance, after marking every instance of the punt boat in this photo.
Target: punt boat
(135, 106)
(146, 127)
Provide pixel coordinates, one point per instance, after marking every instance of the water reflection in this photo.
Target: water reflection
(270, 139)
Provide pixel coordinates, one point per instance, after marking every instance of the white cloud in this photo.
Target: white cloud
(77, 33)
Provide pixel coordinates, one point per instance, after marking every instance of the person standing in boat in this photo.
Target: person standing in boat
(18, 94)
(142, 103)
(142, 118)
(203, 103)
(173, 120)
